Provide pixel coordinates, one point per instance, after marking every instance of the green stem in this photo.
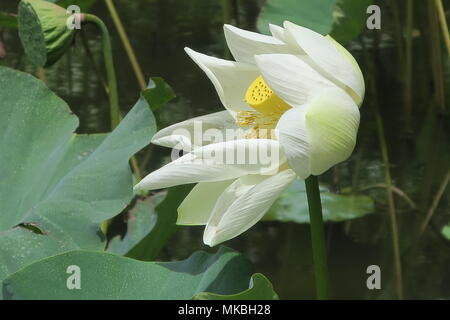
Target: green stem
(391, 205)
(408, 66)
(112, 81)
(387, 174)
(226, 15)
(317, 237)
(435, 203)
(126, 43)
(443, 23)
(109, 66)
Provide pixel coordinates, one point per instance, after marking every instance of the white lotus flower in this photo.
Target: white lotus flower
(296, 92)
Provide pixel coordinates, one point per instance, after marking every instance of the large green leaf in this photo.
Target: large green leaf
(56, 187)
(293, 205)
(349, 19)
(166, 212)
(158, 93)
(107, 276)
(313, 14)
(260, 289)
(343, 19)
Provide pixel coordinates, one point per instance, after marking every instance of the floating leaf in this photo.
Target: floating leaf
(293, 205)
(107, 276)
(260, 289)
(63, 184)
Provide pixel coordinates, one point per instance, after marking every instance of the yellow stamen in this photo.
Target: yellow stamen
(261, 98)
(268, 108)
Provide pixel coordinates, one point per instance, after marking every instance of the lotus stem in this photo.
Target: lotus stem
(408, 66)
(226, 15)
(395, 190)
(90, 57)
(435, 203)
(443, 23)
(112, 81)
(126, 43)
(317, 238)
(109, 66)
(391, 205)
(41, 74)
(387, 174)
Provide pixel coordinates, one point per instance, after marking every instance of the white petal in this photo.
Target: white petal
(199, 203)
(230, 79)
(262, 156)
(328, 57)
(244, 45)
(293, 137)
(217, 162)
(291, 78)
(243, 204)
(357, 96)
(198, 131)
(332, 122)
(277, 32)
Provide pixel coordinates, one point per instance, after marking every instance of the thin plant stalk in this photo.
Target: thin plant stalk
(443, 23)
(94, 66)
(391, 205)
(112, 80)
(436, 53)
(408, 65)
(109, 66)
(318, 238)
(395, 190)
(41, 74)
(435, 203)
(226, 16)
(387, 177)
(126, 43)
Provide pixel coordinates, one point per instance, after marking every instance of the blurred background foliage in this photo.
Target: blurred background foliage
(400, 165)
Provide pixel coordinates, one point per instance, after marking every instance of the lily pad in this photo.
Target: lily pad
(343, 19)
(108, 276)
(62, 184)
(292, 206)
(260, 289)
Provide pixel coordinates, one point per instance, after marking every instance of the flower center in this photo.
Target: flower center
(268, 110)
(261, 98)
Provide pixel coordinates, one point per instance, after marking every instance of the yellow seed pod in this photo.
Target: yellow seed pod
(261, 98)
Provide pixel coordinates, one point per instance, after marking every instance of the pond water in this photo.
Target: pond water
(418, 158)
